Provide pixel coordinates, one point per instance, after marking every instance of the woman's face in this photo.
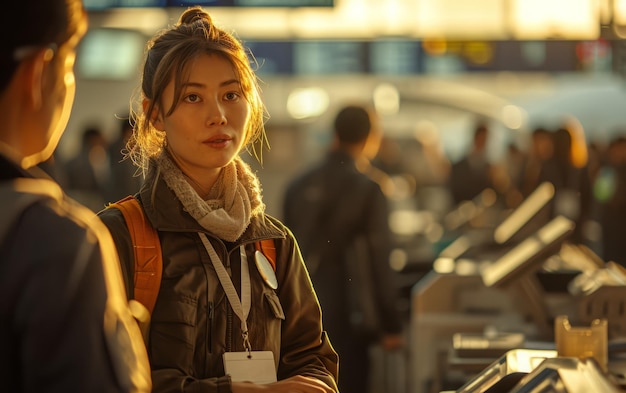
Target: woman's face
(206, 131)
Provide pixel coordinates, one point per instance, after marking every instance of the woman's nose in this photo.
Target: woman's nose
(215, 115)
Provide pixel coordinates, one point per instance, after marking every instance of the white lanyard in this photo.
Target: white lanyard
(240, 307)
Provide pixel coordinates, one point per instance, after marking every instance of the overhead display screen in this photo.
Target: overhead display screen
(394, 57)
(112, 54)
(274, 58)
(283, 3)
(329, 57)
(96, 5)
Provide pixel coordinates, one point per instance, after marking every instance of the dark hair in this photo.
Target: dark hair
(168, 56)
(480, 129)
(352, 124)
(562, 146)
(46, 22)
(90, 134)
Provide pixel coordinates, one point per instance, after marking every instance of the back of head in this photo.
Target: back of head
(562, 146)
(481, 133)
(92, 136)
(352, 125)
(540, 131)
(29, 24)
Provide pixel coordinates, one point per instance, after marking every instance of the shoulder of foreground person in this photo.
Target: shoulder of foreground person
(67, 321)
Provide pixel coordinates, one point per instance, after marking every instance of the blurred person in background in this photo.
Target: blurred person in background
(473, 173)
(567, 170)
(506, 175)
(609, 191)
(417, 167)
(339, 215)
(87, 173)
(64, 321)
(125, 178)
(541, 150)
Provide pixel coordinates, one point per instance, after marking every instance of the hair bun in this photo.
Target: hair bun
(194, 14)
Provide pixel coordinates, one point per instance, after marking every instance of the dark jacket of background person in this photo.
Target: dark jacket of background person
(340, 218)
(192, 306)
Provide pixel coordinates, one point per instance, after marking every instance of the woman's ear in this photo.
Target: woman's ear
(34, 75)
(154, 115)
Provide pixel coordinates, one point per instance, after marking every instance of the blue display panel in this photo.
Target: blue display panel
(385, 57)
(394, 57)
(272, 57)
(205, 3)
(329, 57)
(284, 3)
(97, 5)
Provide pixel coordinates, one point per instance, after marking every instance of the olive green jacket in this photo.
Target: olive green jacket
(193, 323)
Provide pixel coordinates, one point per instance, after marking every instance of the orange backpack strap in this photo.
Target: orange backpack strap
(147, 250)
(268, 249)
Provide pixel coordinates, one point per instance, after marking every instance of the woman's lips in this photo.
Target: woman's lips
(217, 141)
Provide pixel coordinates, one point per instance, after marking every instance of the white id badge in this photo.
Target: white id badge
(254, 366)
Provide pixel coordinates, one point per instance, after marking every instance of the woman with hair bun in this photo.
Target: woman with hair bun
(224, 319)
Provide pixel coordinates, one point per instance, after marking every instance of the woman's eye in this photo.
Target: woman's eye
(192, 98)
(231, 96)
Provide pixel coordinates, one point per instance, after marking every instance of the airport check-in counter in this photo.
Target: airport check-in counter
(464, 319)
(470, 318)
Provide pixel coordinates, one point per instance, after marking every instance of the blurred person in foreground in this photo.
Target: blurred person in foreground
(218, 300)
(64, 321)
(339, 215)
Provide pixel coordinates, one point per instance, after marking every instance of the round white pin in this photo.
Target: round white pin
(266, 270)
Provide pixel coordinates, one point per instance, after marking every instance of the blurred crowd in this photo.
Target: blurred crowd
(98, 173)
(588, 177)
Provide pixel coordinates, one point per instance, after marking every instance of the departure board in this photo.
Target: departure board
(273, 58)
(284, 3)
(205, 3)
(97, 5)
(329, 57)
(394, 57)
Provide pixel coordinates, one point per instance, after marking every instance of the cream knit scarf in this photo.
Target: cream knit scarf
(233, 200)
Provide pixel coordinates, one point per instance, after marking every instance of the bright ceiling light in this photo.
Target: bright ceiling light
(466, 19)
(386, 99)
(513, 116)
(309, 102)
(559, 19)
